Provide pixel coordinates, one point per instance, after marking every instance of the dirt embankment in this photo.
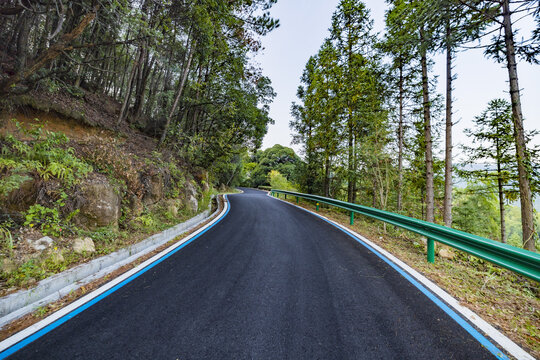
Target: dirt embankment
(74, 185)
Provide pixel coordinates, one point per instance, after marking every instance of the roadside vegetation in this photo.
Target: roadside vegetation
(119, 119)
(373, 130)
(44, 193)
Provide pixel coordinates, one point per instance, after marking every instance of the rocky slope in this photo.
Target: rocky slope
(75, 187)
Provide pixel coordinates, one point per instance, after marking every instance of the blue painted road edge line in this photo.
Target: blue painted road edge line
(16, 347)
(462, 322)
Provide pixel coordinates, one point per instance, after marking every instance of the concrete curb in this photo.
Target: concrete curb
(16, 305)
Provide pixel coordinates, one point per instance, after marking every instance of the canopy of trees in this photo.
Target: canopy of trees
(278, 158)
(179, 69)
(369, 121)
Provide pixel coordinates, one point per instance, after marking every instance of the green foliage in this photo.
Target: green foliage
(146, 221)
(514, 230)
(279, 158)
(26, 273)
(51, 85)
(11, 182)
(476, 211)
(278, 181)
(46, 219)
(494, 143)
(206, 198)
(6, 238)
(46, 154)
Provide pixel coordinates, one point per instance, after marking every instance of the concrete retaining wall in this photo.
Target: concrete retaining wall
(18, 304)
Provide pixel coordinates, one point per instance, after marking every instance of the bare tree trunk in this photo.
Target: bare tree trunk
(527, 216)
(142, 77)
(430, 193)
(327, 176)
(22, 41)
(354, 189)
(43, 41)
(448, 184)
(125, 104)
(400, 140)
(501, 198)
(350, 174)
(178, 93)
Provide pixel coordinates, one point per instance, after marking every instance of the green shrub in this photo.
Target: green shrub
(47, 219)
(278, 181)
(6, 238)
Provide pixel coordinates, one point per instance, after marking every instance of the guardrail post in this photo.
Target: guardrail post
(430, 250)
(317, 206)
(297, 199)
(285, 196)
(352, 217)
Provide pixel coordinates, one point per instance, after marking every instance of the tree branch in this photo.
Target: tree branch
(49, 55)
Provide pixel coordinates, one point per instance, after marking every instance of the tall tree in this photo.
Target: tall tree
(504, 48)
(351, 35)
(399, 44)
(494, 141)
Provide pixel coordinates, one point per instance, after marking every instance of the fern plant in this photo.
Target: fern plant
(47, 154)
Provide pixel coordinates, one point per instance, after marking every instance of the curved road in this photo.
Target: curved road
(269, 281)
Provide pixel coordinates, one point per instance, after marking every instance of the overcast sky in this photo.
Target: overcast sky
(304, 26)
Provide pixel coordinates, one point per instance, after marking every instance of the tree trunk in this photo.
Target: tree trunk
(22, 41)
(400, 139)
(527, 216)
(178, 93)
(327, 176)
(448, 183)
(129, 90)
(430, 193)
(44, 41)
(52, 53)
(350, 176)
(501, 198)
(142, 77)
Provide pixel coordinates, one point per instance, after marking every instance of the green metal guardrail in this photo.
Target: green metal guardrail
(521, 261)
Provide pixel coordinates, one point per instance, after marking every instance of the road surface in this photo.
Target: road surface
(269, 281)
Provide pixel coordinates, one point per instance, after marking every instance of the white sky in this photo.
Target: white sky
(304, 26)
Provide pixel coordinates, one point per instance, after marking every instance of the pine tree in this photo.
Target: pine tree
(494, 142)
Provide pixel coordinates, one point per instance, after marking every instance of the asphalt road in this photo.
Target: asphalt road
(269, 281)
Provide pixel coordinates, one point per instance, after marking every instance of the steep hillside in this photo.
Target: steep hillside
(74, 186)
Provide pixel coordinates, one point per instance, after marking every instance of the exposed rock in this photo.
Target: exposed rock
(56, 256)
(7, 265)
(190, 190)
(83, 245)
(222, 188)
(100, 206)
(193, 203)
(135, 205)
(153, 189)
(446, 253)
(205, 186)
(172, 207)
(22, 198)
(41, 244)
